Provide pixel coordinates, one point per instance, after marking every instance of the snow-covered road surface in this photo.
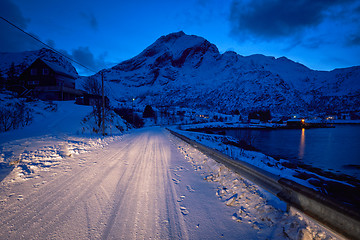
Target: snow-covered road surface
(148, 185)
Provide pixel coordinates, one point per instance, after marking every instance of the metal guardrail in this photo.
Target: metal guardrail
(328, 212)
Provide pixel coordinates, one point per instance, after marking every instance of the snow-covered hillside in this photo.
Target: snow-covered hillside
(188, 71)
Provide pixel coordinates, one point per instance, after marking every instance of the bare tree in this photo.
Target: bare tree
(93, 86)
(14, 116)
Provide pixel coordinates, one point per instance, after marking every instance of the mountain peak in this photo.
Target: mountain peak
(171, 36)
(187, 70)
(179, 42)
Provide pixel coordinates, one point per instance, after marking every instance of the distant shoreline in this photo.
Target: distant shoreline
(267, 126)
(346, 122)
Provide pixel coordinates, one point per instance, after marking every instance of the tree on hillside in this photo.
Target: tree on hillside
(148, 112)
(2, 82)
(262, 115)
(11, 74)
(130, 116)
(235, 112)
(93, 86)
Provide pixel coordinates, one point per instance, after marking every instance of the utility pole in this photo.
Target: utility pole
(103, 104)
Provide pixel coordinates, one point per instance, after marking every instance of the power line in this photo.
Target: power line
(48, 46)
(102, 79)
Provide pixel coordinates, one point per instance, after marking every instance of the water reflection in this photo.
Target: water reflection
(334, 149)
(302, 144)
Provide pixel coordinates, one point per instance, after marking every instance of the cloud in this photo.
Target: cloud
(12, 12)
(91, 19)
(354, 40)
(51, 43)
(12, 39)
(84, 56)
(272, 19)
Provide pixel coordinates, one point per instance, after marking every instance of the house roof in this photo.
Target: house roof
(57, 68)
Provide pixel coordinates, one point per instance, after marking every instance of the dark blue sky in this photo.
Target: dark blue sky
(321, 34)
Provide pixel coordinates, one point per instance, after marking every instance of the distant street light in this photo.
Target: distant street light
(133, 112)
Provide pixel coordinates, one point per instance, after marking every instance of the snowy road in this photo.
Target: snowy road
(146, 186)
(123, 192)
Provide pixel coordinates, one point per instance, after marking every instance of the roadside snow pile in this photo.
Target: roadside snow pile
(114, 124)
(342, 188)
(55, 133)
(223, 144)
(41, 154)
(251, 204)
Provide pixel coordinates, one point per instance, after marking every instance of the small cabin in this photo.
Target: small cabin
(345, 116)
(48, 81)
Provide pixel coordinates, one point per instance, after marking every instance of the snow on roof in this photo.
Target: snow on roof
(57, 68)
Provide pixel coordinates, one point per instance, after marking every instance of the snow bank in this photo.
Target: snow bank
(57, 132)
(252, 205)
(279, 167)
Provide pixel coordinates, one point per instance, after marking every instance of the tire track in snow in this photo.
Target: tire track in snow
(138, 214)
(127, 194)
(40, 205)
(118, 203)
(147, 206)
(59, 185)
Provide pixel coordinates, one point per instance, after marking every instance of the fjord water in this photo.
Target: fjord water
(334, 149)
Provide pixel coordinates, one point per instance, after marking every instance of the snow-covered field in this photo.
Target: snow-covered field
(65, 183)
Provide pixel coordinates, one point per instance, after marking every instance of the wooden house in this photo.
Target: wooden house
(48, 81)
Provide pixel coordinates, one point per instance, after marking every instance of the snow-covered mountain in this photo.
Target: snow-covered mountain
(188, 71)
(22, 60)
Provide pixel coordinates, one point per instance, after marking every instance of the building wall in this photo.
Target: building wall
(40, 74)
(64, 81)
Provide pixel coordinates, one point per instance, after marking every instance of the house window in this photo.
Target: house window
(33, 72)
(33, 83)
(46, 71)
